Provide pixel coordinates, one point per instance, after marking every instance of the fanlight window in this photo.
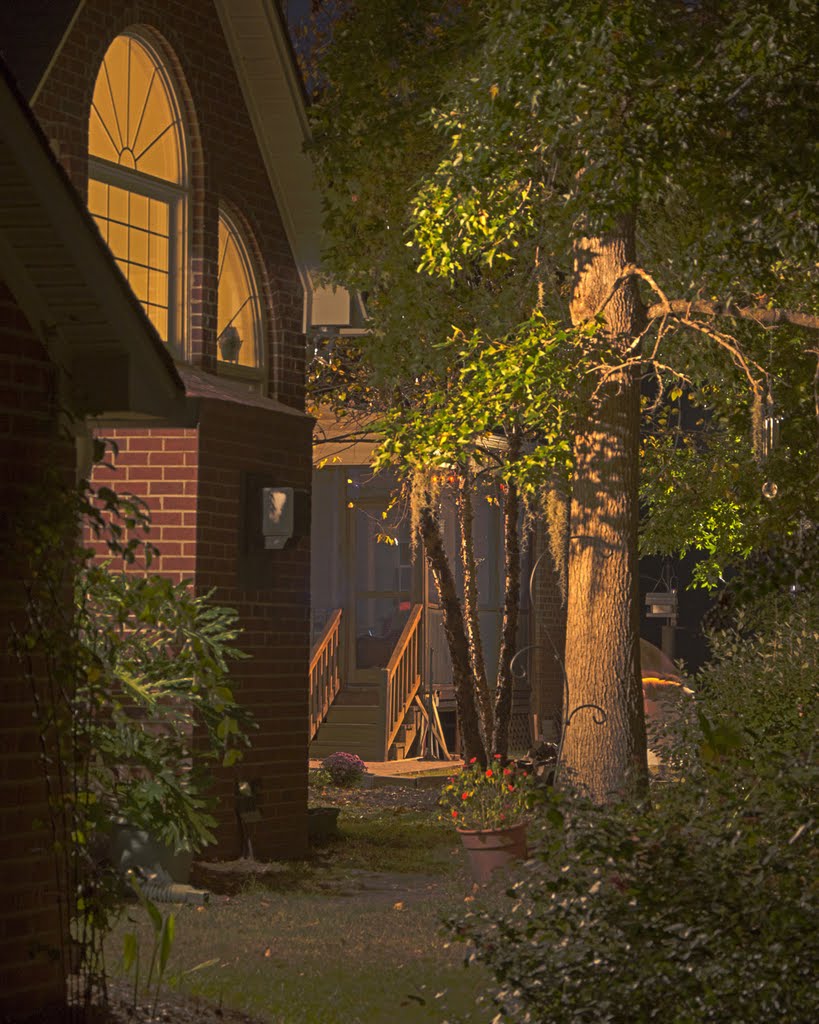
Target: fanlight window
(138, 177)
(238, 322)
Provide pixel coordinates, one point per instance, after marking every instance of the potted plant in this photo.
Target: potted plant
(489, 808)
(342, 770)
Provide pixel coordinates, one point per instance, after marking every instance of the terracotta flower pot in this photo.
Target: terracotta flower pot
(493, 849)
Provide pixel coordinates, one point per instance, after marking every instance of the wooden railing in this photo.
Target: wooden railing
(402, 676)
(325, 677)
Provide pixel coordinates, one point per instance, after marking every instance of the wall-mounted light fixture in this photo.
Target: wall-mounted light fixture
(277, 516)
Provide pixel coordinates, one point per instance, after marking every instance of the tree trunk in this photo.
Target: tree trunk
(550, 556)
(608, 760)
(511, 610)
(471, 620)
(430, 528)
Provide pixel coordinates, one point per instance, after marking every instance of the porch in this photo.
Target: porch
(380, 675)
(386, 714)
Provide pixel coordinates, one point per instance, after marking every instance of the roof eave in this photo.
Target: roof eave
(99, 335)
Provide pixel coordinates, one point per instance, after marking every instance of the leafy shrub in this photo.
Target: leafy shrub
(699, 905)
(130, 686)
(344, 769)
(158, 708)
(318, 778)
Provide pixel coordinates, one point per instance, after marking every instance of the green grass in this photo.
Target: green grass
(305, 945)
(314, 959)
(395, 841)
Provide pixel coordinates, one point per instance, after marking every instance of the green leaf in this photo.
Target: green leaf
(166, 944)
(130, 951)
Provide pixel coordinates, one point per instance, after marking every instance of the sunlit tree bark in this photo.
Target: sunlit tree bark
(430, 528)
(511, 610)
(466, 551)
(602, 630)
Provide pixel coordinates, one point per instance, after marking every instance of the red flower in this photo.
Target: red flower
(489, 773)
(454, 813)
(464, 796)
(507, 771)
(472, 760)
(498, 757)
(511, 789)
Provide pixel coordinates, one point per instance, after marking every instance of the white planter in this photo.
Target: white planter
(132, 848)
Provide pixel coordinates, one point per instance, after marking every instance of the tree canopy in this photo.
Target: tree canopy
(629, 190)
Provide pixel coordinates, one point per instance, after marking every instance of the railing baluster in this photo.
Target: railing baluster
(324, 672)
(403, 675)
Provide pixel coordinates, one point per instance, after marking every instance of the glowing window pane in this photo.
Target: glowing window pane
(138, 211)
(97, 197)
(138, 279)
(118, 239)
(133, 120)
(137, 177)
(99, 139)
(140, 255)
(138, 247)
(118, 205)
(158, 251)
(158, 213)
(159, 318)
(238, 303)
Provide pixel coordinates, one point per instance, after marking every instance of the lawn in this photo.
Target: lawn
(353, 935)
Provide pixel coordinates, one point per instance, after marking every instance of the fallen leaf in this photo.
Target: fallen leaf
(268, 952)
(398, 906)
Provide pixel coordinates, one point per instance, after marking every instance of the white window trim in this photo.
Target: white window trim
(254, 376)
(177, 196)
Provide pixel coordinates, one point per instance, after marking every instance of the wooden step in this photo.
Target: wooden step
(364, 739)
(350, 696)
(353, 714)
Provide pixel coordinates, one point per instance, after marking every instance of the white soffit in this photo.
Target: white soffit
(258, 42)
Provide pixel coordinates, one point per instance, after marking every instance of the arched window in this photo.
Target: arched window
(239, 323)
(137, 179)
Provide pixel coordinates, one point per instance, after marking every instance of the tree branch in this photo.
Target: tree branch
(759, 314)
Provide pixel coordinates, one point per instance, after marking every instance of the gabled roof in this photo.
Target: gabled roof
(64, 278)
(263, 57)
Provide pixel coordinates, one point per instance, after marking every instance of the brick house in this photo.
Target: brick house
(181, 127)
(73, 342)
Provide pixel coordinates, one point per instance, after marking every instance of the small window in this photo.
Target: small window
(137, 187)
(239, 327)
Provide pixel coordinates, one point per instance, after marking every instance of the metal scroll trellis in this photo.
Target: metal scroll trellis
(518, 670)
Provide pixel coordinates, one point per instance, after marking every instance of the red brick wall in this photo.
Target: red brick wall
(160, 466)
(191, 480)
(30, 976)
(225, 164)
(273, 607)
(199, 525)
